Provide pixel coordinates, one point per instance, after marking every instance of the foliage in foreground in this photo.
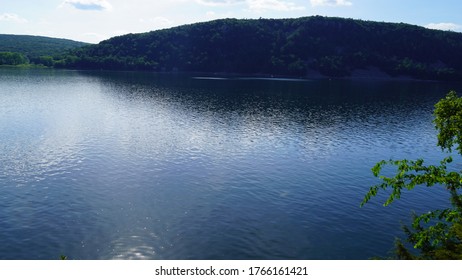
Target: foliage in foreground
(436, 234)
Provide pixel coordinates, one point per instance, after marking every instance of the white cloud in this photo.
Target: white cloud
(444, 26)
(274, 5)
(12, 18)
(89, 5)
(332, 3)
(158, 21)
(216, 3)
(210, 14)
(255, 5)
(93, 37)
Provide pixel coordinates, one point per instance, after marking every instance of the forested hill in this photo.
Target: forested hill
(334, 47)
(34, 48)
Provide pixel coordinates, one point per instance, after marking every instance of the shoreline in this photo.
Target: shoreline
(371, 73)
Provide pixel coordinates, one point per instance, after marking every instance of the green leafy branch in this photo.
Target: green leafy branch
(437, 233)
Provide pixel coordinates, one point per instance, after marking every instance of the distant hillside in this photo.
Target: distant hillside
(333, 47)
(34, 47)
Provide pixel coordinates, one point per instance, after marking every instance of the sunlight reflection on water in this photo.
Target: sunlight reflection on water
(99, 165)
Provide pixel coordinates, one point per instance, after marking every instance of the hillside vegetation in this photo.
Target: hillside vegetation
(334, 47)
(303, 47)
(21, 49)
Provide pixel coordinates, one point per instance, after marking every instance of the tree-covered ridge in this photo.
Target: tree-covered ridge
(36, 48)
(296, 47)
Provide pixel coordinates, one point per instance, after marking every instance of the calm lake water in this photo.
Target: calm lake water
(97, 165)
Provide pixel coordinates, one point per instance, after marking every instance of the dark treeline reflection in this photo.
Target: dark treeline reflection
(311, 101)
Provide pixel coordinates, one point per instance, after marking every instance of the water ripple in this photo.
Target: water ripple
(98, 165)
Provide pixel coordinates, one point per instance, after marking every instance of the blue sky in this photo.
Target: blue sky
(96, 20)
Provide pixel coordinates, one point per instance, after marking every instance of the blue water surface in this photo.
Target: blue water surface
(101, 165)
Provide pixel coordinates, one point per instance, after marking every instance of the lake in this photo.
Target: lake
(101, 165)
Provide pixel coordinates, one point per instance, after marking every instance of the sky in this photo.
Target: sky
(96, 20)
